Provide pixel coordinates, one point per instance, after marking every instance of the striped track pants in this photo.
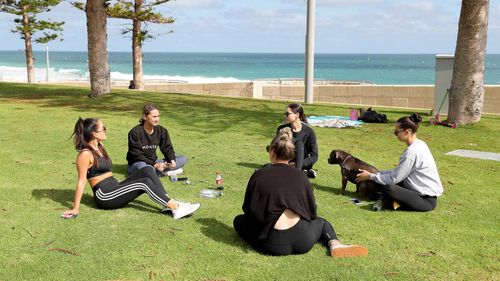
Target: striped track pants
(111, 194)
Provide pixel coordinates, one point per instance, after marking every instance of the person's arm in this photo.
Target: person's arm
(166, 147)
(248, 195)
(401, 172)
(135, 149)
(312, 147)
(83, 163)
(397, 175)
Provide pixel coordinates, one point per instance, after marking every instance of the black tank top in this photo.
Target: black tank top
(104, 167)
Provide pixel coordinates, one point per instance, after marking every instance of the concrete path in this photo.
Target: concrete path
(475, 154)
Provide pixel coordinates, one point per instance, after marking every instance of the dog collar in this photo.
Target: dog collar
(349, 156)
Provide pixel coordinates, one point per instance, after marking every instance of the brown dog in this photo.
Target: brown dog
(350, 166)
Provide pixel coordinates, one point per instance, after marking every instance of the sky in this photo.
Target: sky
(279, 26)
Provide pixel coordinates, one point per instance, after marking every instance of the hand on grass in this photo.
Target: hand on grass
(72, 212)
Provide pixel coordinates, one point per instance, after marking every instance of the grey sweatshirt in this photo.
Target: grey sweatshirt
(416, 169)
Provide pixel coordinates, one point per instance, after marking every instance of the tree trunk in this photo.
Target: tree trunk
(30, 61)
(97, 47)
(467, 84)
(137, 49)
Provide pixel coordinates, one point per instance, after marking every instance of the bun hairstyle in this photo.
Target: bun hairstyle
(146, 110)
(82, 135)
(410, 122)
(282, 145)
(297, 108)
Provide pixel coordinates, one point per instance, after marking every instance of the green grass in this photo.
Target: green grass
(457, 241)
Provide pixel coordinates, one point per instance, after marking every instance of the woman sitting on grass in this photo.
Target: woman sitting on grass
(280, 211)
(304, 139)
(93, 164)
(145, 138)
(414, 184)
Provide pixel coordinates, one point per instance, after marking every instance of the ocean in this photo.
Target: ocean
(383, 69)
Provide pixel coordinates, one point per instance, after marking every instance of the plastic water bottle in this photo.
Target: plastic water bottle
(173, 177)
(219, 183)
(210, 193)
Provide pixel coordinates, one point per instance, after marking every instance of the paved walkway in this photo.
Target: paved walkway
(475, 154)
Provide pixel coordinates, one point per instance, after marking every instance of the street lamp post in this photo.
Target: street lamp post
(309, 58)
(47, 64)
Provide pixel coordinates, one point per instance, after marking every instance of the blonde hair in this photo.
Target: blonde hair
(282, 145)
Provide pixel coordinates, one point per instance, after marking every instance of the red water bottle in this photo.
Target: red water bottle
(219, 184)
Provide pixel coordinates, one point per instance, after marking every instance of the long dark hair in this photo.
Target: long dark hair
(146, 110)
(410, 122)
(297, 108)
(82, 135)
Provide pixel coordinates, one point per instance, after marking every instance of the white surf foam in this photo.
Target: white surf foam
(18, 74)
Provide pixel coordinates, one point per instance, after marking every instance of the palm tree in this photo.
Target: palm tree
(467, 84)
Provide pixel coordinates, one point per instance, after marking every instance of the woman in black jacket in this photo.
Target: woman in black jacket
(280, 211)
(145, 138)
(304, 139)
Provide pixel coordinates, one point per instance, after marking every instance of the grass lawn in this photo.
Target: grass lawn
(457, 241)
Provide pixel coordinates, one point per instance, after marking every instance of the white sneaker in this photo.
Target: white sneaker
(184, 209)
(168, 210)
(173, 172)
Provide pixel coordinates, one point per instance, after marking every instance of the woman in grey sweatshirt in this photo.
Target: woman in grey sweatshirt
(414, 184)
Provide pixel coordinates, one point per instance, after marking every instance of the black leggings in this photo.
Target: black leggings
(111, 194)
(299, 156)
(299, 239)
(407, 198)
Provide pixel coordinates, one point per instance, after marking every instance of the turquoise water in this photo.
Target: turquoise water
(375, 68)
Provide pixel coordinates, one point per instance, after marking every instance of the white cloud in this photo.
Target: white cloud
(348, 2)
(198, 4)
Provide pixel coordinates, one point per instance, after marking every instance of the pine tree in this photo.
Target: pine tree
(27, 25)
(141, 13)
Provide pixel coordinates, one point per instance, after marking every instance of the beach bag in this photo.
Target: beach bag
(372, 116)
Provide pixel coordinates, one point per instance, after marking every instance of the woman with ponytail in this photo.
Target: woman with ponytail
(280, 211)
(303, 138)
(414, 184)
(93, 164)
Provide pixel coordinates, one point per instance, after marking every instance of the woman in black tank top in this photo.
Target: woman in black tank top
(93, 164)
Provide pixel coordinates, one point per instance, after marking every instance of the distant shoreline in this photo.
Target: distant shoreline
(251, 53)
(380, 69)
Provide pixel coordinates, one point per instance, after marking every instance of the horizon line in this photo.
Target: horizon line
(242, 52)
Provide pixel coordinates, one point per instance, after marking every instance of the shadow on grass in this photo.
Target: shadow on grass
(120, 169)
(225, 113)
(330, 189)
(221, 232)
(63, 197)
(254, 166)
(144, 207)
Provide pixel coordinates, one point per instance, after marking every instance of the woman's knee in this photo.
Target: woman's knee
(238, 221)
